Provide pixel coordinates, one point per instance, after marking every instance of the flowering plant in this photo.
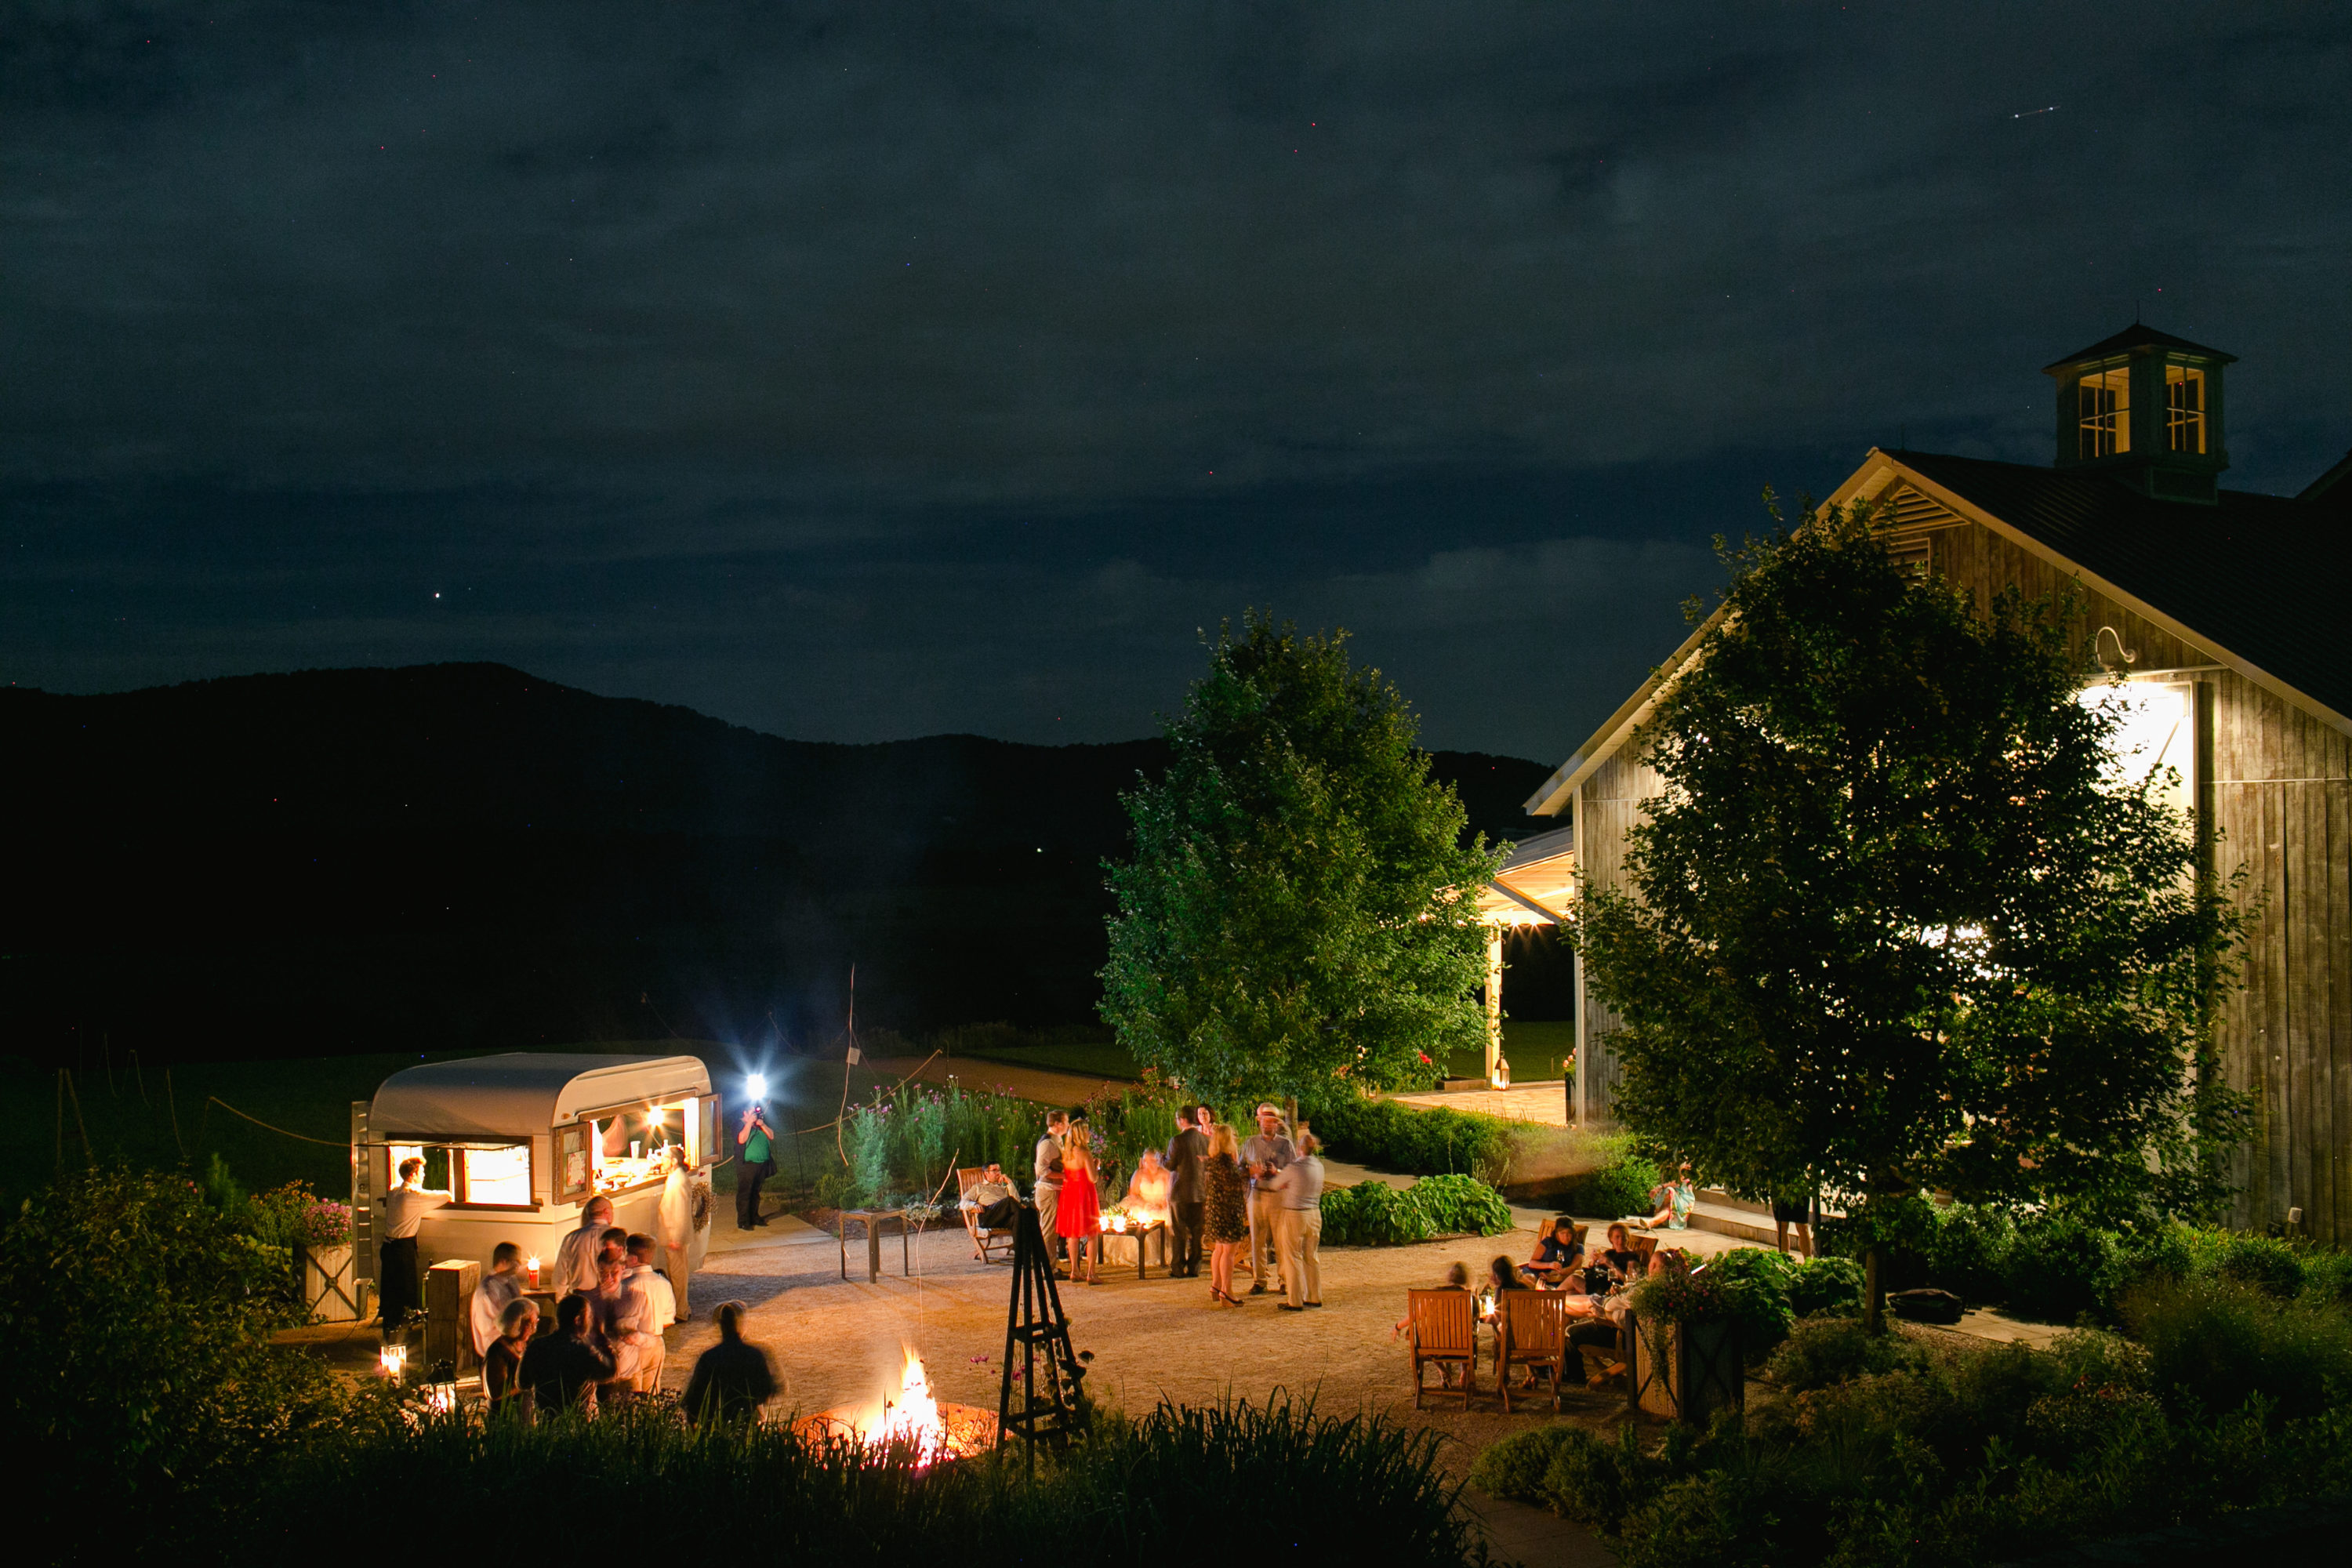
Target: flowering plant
(326, 1223)
(1680, 1293)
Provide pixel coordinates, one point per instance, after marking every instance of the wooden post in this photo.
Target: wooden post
(1494, 999)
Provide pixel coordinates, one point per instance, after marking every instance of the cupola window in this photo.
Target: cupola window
(2103, 421)
(2184, 408)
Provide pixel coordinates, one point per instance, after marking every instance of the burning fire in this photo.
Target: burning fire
(914, 1418)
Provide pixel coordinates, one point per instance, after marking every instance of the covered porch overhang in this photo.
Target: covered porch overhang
(1536, 886)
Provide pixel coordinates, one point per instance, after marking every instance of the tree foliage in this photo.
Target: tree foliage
(1898, 920)
(1289, 917)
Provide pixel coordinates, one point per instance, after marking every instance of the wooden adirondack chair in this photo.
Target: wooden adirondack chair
(1533, 1333)
(985, 1243)
(1443, 1325)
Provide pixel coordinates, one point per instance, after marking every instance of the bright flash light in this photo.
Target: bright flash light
(756, 1085)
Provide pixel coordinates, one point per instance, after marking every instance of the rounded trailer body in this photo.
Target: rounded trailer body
(524, 1141)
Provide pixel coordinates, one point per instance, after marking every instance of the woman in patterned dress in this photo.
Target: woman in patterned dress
(1224, 1218)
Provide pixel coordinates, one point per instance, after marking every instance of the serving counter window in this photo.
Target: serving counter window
(475, 1175)
(629, 1146)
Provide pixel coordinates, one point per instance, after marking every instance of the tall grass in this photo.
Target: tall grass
(1351, 1489)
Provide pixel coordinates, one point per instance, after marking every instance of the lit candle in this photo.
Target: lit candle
(534, 1273)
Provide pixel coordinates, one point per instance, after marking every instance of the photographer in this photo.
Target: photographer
(755, 1143)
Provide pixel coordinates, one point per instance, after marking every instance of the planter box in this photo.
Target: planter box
(1687, 1372)
(331, 1292)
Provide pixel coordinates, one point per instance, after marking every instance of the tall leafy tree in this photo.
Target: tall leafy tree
(1899, 920)
(1300, 911)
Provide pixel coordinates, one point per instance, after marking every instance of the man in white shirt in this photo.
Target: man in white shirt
(624, 1315)
(491, 1296)
(1046, 1166)
(641, 1273)
(1298, 1227)
(400, 1287)
(575, 1260)
(1263, 1157)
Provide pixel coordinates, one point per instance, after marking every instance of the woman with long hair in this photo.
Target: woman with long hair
(1078, 1218)
(1224, 1218)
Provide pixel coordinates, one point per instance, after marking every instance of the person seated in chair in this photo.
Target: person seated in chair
(1558, 1253)
(992, 1200)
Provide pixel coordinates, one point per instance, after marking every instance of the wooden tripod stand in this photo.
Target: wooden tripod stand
(1043, 1400)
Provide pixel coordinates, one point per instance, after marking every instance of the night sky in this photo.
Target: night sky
(872, 371)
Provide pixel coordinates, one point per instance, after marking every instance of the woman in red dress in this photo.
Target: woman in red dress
(1079, 1217)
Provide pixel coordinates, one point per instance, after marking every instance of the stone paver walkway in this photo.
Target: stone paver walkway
(839, 1346)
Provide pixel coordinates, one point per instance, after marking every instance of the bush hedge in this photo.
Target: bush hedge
(1898, 1454)
(1373, 1214)
(2059, 1266)
(1414, 1141)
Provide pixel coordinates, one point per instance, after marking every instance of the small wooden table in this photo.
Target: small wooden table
(870, 1220)
(1143, 1234)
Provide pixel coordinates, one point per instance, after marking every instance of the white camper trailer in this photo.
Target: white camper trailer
(522, 1141)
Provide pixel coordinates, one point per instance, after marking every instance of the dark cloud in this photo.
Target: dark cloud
(864, 371)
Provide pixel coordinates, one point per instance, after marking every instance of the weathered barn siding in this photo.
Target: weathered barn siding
(1608, 805)
(2277, 784)
(2281, 794)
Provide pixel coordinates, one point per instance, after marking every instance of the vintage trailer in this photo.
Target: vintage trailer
(523, 1141)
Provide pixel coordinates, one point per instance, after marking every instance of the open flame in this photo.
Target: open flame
(913, 1417)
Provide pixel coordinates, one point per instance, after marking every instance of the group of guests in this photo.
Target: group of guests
(611, 1312)
(1594, 1282)
(1254, 1201)
(613, 1307)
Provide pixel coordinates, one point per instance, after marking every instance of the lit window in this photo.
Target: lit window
(2103, 400)
(499, 1176)
(2184, 408)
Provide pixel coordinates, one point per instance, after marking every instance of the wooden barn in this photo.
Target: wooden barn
(2223, 606)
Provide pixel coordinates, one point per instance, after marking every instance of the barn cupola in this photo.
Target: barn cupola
(2145, 407)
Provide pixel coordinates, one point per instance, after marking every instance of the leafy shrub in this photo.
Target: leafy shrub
(2060, 1266)
(2212, 1345)
(1373, 1214)
(1409, 1140)
(1969, 1252)
(1826, 1285)
(1599, 1482)
(142, 1370)
(2268, 1264)
(2327, 1276)
(1825, 1351)
(1461, 1204)
(1886, 1452)
(1515, 1468)
(1623, 1186)
(1756, 1281)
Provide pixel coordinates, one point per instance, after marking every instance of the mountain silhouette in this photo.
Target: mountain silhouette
(456, 856)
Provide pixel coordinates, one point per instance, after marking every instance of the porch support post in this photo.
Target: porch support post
(1494, 998)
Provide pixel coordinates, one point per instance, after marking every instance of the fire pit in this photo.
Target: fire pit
(938, 1432)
